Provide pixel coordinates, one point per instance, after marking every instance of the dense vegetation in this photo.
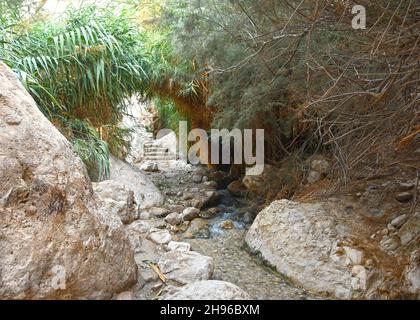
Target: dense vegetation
(295, 68)
(80, 71)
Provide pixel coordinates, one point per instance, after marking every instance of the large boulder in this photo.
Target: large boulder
(301, 242)
(209, 290)
(54, 242)
(116, 199)
(186, 267)
(146, 194)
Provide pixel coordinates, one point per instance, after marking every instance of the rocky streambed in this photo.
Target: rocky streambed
(218, 231)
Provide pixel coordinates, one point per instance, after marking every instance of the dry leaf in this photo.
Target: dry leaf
(156, 269)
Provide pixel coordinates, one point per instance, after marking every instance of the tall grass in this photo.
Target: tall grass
(79, 69)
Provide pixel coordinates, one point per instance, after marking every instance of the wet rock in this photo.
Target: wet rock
(211, 184)
(210, 213)
(211, 198)
(179, 246)
(205, 179)
(404, 197)
(237, 188)
(209, 290)
(56, 252)
(248, 217)
(189, 214)
(173, 219)
(198, 229)
(161, 236)
(116, 198)
(227, 225)
(186, 267)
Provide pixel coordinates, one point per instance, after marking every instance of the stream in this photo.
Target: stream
(233, 263)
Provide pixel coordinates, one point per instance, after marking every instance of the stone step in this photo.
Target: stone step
(156, 158)
(155, 149)
(158, 155)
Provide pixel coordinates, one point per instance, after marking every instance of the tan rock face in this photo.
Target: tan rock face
(53, 242)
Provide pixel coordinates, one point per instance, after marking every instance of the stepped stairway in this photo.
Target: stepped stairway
(153, 151)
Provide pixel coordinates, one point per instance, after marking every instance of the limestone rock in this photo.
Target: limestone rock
(54, 242)
(179, 246)
(116, 198)
(355, 256)
(140, 227)
(173, 219)
(157, 212)
(299, 240)
(199, 229)
(146, 194)
(186, 267)
(209, 290)
(150, 166)
(189, 214)
(160, 236)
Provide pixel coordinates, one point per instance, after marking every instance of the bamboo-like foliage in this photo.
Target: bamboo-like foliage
(80, 70)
